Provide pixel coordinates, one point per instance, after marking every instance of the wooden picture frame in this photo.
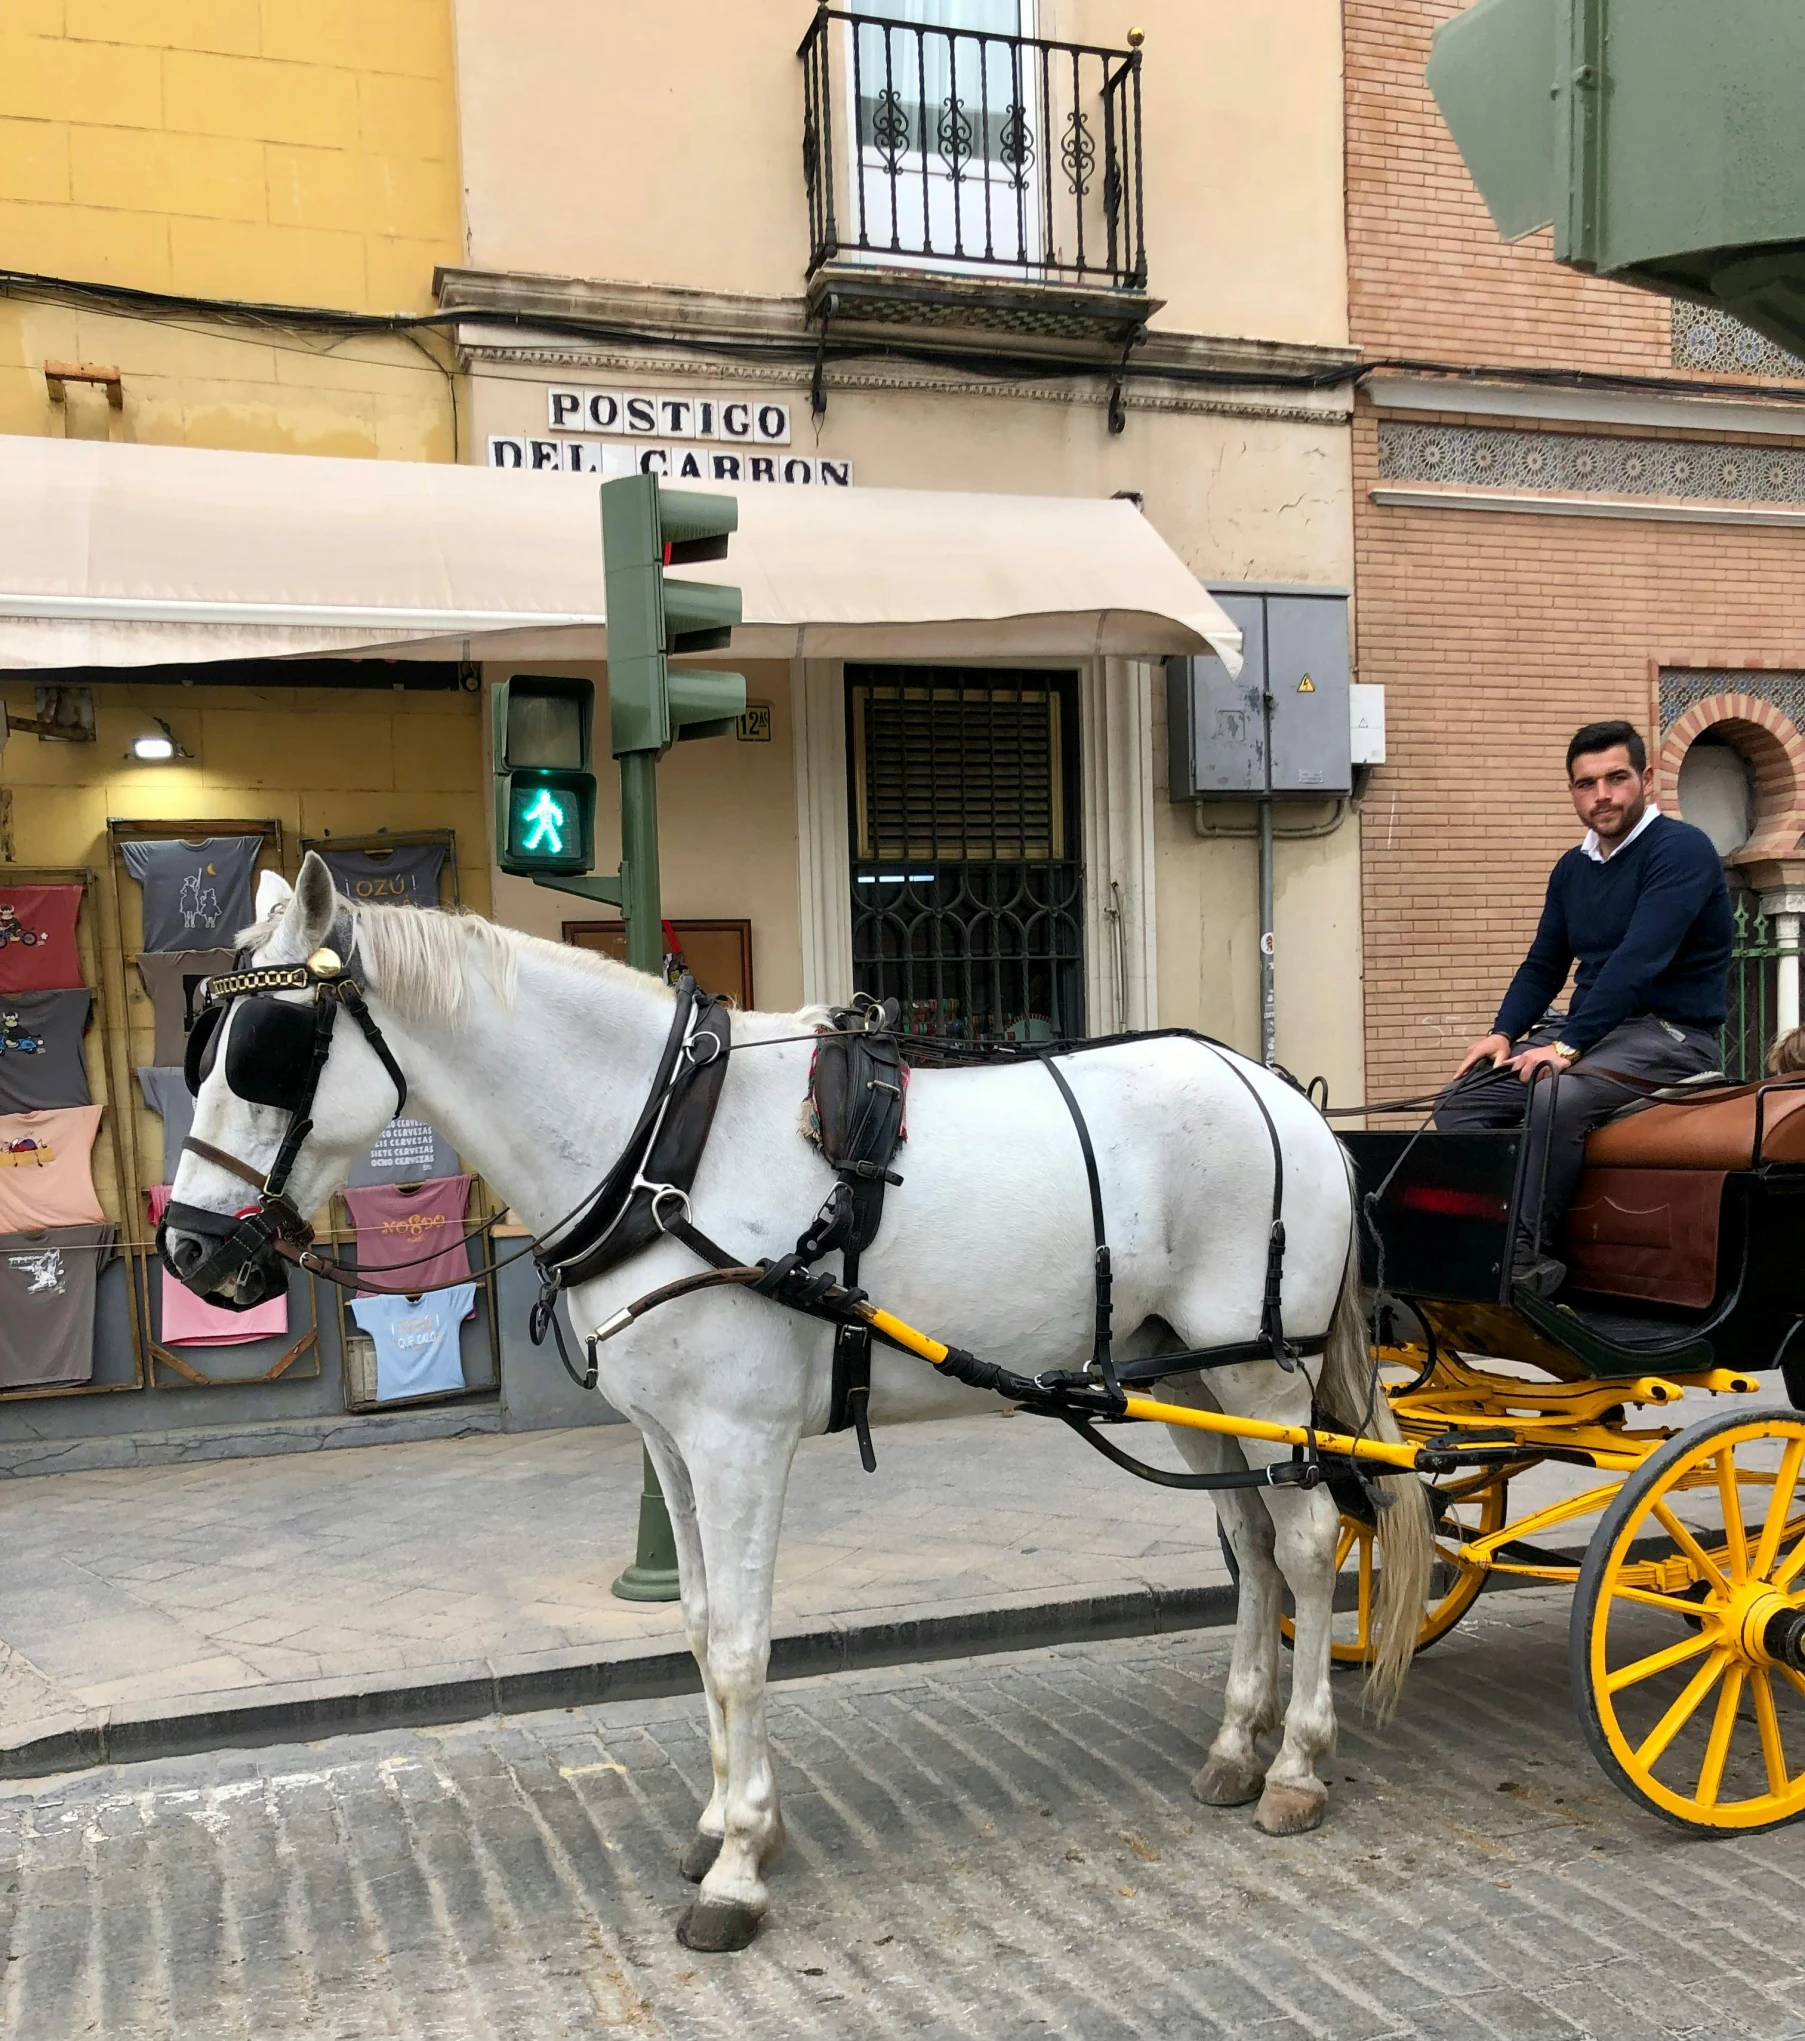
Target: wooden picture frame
(717, 952)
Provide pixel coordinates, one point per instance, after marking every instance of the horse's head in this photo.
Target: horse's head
(266, 1064)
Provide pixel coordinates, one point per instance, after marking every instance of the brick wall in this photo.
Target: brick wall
(1495, 636)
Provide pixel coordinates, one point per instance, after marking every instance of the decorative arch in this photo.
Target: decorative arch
(1769, 739)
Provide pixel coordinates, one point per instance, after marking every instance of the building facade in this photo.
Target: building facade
(981, 245)
(1572, 501)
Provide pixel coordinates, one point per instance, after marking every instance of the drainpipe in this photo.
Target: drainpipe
(1269, 1022)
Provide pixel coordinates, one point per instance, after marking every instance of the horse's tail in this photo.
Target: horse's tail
(1350, 1393)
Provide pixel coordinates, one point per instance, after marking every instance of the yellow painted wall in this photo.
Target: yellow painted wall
(300, 152)
(344, 762)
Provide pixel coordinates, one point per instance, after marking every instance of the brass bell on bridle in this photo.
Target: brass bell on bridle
(325, 963)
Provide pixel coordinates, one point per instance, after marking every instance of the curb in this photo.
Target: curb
(307, 1710)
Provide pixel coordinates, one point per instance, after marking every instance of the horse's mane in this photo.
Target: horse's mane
(420, 958)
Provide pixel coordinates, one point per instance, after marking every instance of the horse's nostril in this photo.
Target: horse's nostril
(186, 1253)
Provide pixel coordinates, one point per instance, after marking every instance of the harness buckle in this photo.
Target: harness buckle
(682, 1215)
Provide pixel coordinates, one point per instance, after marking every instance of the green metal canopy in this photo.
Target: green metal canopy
(1662, 139)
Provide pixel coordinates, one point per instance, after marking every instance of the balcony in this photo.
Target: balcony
(962, 177)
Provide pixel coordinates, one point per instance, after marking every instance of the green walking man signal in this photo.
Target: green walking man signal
(544, 788)
(549, 820)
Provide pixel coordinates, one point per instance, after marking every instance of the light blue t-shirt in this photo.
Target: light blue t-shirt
(416, 1343)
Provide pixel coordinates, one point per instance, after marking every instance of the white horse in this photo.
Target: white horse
(534, 1060)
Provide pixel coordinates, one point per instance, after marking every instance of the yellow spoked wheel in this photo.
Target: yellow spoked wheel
(1688, 1639)
(1466, 1508)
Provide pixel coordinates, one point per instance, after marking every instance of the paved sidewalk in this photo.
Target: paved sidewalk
(150, 1610)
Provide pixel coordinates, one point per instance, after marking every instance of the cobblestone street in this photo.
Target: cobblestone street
(993, 1847)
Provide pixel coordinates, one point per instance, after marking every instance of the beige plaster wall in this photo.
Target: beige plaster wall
(663, 145)
(1237, 498)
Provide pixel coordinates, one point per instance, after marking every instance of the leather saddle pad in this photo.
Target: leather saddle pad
(1646, 1233)
(1716, 1133)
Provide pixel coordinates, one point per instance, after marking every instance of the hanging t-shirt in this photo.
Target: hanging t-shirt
(37, 938)
(40, 1050)
(47, 1283)
(407, 876)
(166, 1093)
(194, 893)
(417, 1232)
(173, 981)
(188, 1320)
(416, 1340)
(45, 1179)
(406, 1151)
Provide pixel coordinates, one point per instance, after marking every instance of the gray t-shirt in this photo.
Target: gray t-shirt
(173, 980)
(407, 876)
(194, 893)
(406, 1151)
(40, 1050)
(166, 1093)
(47, 1304)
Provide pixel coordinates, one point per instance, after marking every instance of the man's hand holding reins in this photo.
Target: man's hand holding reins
(1492, 1049)
(1553, 1056)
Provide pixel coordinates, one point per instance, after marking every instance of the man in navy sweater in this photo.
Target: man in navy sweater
(1642, 905)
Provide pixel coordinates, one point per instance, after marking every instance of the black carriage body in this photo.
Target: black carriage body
(1442, 1228)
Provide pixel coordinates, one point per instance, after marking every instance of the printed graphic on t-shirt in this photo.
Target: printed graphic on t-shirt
(37, 938)
(44, 1273)
(406, 875)
(405, 1144)
(13, 930)
(29, 1152)
(194, 893)
(415, 1226)
(16, 1038)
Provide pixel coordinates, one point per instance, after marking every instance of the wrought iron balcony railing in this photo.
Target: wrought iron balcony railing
(966, 149)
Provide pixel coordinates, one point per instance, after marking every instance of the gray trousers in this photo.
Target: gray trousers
(1564, 1112)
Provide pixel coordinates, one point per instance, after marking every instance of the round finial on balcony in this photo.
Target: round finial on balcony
(1135, 38)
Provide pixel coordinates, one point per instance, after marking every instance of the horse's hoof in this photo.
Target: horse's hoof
(716, 1927)
(698, 1859)
(1291, 1810)
(1223, 1783)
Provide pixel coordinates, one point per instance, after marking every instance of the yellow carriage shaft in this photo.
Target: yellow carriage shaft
(1337, 1443)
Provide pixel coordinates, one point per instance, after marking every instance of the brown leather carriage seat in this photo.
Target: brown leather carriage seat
(1645, 1221)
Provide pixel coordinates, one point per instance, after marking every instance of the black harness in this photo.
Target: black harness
(275, 1053)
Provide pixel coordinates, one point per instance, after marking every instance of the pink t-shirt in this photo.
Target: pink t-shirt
(45, 1179)
(189, 1320)
(397, 1225)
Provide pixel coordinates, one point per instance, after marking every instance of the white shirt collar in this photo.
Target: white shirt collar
(1590, 846)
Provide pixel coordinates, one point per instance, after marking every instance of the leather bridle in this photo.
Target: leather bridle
(296, 1052)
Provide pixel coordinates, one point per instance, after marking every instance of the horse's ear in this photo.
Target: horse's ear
(314, 908)
(273, 894)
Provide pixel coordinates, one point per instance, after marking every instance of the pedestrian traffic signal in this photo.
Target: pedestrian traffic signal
(544, 790)
(644, 531)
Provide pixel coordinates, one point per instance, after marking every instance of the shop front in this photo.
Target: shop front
(213, 662)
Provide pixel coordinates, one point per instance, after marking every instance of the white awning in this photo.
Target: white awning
(146, 555)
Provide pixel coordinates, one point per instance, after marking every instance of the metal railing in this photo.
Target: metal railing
(957, 146)
(1758, 956)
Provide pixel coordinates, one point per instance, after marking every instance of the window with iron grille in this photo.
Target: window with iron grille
(967, 872)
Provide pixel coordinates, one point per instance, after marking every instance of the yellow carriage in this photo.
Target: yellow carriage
(1686, 1255)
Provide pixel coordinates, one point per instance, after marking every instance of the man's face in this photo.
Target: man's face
(1609, 794)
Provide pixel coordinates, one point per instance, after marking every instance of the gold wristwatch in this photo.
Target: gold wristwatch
(1565, 1049)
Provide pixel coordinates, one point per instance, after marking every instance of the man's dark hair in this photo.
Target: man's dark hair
(1606, 737)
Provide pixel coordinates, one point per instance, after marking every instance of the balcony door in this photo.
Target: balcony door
(949, 106)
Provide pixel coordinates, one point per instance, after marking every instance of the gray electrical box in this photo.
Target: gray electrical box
(1283, 725)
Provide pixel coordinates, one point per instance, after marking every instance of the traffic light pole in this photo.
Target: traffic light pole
(652, 1577)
